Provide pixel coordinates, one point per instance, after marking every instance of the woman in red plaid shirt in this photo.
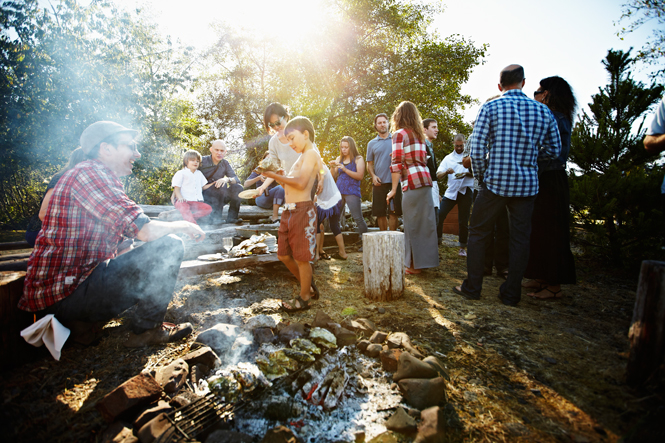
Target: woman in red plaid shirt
(409, 168)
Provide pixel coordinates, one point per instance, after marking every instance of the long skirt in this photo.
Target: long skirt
(550, 257)
(421, 246)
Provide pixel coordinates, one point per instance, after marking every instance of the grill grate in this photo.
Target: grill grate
(196, 417)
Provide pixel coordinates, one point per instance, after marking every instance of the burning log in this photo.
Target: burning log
(383, 261)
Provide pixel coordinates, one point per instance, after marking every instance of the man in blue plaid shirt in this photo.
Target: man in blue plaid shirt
(509, 136)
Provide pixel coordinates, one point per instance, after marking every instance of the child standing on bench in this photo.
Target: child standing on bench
(188, 185)
(296, 243)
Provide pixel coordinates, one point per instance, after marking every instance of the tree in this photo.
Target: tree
(640, 12)
(615, 197)
(367, 57)
(65, 68)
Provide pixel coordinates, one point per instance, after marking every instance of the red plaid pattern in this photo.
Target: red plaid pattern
(410, 158)
(88, 215)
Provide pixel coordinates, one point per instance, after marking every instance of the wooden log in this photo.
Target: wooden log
(9, 257)
(14, 265)
(14, 245)
(191, 268)
(647, 331)
(383, 262)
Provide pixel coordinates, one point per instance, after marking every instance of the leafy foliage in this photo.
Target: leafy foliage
(639, 13)
(64, 69)
(616, 196)
(365, 59)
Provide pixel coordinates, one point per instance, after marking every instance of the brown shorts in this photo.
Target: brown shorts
(297, 232)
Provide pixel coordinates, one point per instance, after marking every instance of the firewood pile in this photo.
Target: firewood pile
(325, 382)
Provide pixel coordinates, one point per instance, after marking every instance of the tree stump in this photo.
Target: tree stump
(383, 261)
(647, 330)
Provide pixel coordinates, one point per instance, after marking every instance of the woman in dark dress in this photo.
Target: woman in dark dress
(551, 261)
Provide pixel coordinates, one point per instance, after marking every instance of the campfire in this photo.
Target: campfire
(327, 382)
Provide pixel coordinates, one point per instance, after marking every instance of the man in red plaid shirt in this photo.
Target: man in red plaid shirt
(76, 271)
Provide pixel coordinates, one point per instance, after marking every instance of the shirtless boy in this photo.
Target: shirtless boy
(297, 230)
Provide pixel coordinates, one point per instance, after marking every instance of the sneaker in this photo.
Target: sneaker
(166, 333)
(462, 252)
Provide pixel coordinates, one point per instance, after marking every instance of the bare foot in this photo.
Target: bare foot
(535, 284)
(547, 293)
(411, 271)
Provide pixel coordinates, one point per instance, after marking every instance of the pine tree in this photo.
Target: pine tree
(615, 196)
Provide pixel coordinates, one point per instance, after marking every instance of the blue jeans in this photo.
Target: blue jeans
(275, 197)
(487, 209)
(144, 276)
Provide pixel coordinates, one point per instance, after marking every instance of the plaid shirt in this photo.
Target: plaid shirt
(515, 130)
(410, 159)
(88, 215)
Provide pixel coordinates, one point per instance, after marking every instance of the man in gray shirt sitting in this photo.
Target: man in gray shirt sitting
(227, 185)
(379, 151)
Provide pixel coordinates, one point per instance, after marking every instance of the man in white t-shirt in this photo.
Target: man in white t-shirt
(459, 192)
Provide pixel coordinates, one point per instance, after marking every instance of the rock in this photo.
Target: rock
(130, 396)
(183, 399)
(423, 393)
(362, 326)
(118, 432)
(373, 350)
(344, 337)
(410, 367)
(400, 339)
(149, 414)
(288, 333)
(436, 364)
(159, 427)
(432, 426)
(280, 434)
(537, 392)
(281, 408)
(321, 320)
(386, 437)
(382, 310)
(415, 413)
(359, 436)
(263, 335)
(198, 372)
(203, 355)
(389, 359)
(378, 337)
(401, 422)
(362, 345)
(220, 337)
(172, 377)
(225, 436)
(260, 321)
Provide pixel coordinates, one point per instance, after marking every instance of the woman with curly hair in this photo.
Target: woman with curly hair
(551, 261)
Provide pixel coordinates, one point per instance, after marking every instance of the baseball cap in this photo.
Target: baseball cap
(100, 131)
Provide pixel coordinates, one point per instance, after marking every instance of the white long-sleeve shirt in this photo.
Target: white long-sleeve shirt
(455, 185)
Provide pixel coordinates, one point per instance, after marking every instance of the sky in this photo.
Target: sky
(568, 38)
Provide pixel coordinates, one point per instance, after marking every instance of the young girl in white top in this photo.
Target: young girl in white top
(188, 185)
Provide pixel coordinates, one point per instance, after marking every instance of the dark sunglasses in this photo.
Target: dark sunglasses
(277, 123)
(537, 93)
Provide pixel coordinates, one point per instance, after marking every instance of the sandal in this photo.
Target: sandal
(316, 294)
(323, 255)
(554, 296)
(336, 256)
(305, 305)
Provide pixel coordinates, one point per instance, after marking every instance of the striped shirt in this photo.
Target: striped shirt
(88, 215)
(410, 159)
(510, 135)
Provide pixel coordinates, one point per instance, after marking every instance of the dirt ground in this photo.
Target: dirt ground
(544, 371)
